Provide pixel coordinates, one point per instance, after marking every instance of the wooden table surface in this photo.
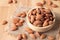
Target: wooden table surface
(7, 10)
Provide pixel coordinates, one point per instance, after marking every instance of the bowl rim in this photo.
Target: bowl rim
(41, 27)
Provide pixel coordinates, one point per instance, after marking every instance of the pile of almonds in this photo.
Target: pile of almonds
(40, 17)
(47, 2)
(12, 1)
(18, 22)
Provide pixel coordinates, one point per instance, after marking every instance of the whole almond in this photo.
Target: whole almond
(45, 23)
(15, 20)
(34, 12)
(39, 4)
(32, 18)
(29, 30)
(43, 36)
(24, 36)
(19, 24)
(54, 5)
(13, 27)
(19, 14)
(21, 21)
(37, 23)
(39, 17)
(4, 22)
(19, 37)
(10, 1)
(33, 36)
(37, 34)
(23, 14)
(50, 22)
(51, 38)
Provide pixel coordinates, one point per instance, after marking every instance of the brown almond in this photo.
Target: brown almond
(39, 4)
(33, 36)
(51, 38)
(34, 12)
(37, 23)
(21, 21)
(10, 1)
(45, 23)
(15, 20)
(54, 5)
(37, 34)
(19, 24)
(32, 18)
(19, 37)
(39, 17)
(13, 27)
(23, 14)
(43, 36)
(24, 36)
(50, 22)
(29, 30)
(19, 14)
(4, 22)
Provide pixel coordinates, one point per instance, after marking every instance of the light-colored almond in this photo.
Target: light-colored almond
(29, 30)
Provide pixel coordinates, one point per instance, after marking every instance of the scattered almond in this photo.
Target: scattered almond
(19, 37)
(10, 1)
(4, 22)
(24, 36)
(39, 4)
(54, 5)
(37, 34)
(29, 30)
(51, 38)
(15, 20)
(33, 36)
(13, 27)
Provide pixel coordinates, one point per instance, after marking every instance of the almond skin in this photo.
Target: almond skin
(29, 30)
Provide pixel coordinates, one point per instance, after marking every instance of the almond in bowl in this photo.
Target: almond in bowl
(40, 19)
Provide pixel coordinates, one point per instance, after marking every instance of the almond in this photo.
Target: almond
(23, 14)
(21, 21)
(43, 36)
(54, 5)
(33, 36)
(15, 20)
(50, 22)
(13, 27)
(51, 38)
(4, 22)
(39, 4)
(10, 1)
(19, 37)
(45, 23)
(37, 34)
(32, 18)
(24, 36)
(37, 23)
(29, 30)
